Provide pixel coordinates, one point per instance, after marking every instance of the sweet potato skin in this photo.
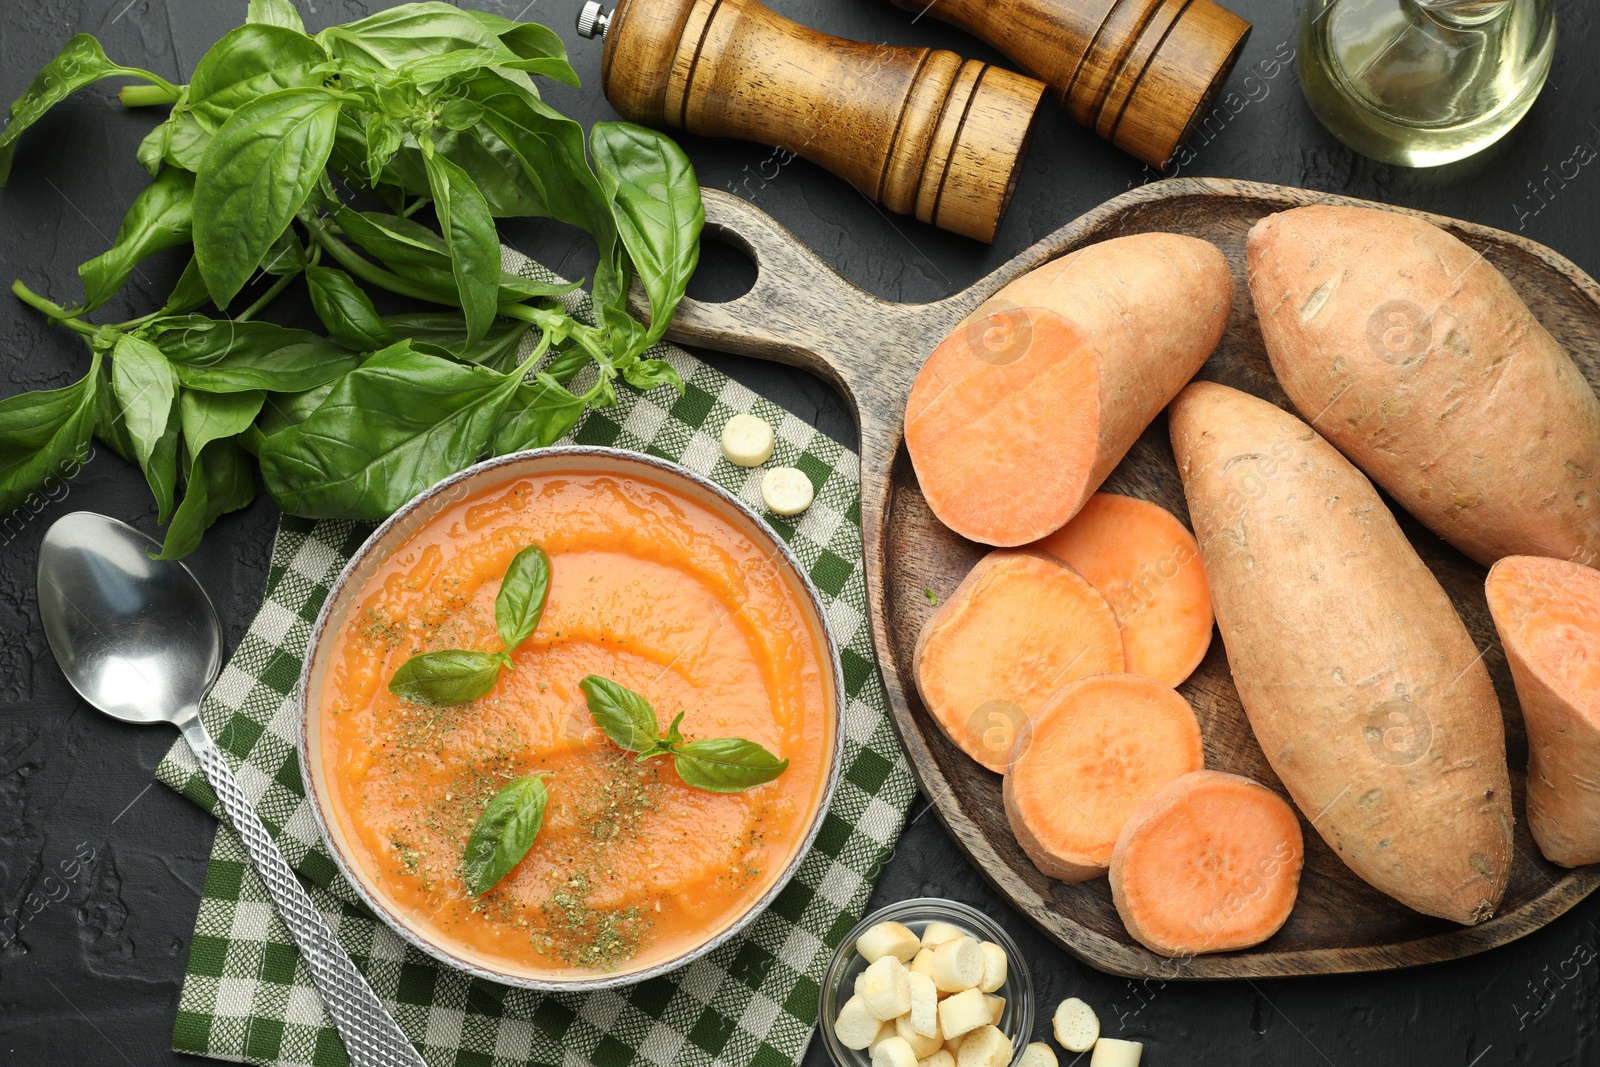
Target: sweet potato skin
(1154, 306)
(1361, 683)
(1150, 307)
(1417, 359)
(1562, 718)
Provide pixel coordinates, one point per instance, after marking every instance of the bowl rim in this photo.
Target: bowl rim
(976, 920)
(777, 547)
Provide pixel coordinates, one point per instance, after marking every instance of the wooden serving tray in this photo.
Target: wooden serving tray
(800, 312)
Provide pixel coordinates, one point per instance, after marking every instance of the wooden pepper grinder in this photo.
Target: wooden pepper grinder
(919, 131)
(1140, 73)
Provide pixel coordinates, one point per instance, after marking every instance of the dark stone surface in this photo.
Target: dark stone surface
(93, 975)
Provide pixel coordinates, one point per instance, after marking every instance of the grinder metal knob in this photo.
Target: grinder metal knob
(593, 20)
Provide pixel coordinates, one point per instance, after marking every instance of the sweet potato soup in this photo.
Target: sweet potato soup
(632, 866)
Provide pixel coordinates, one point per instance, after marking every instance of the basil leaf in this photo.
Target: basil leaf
(109, 425)
(649, 373)
(541, 412)
(408, 248)
(531, 41)
(418, 254)
(257, 171)
(655, 200)
(472, 239)
(153, 148)
(249, 62)
(549, 147)
(145, 385)
(726, 764)
(146, 393)
(222, 356)
(497, 350)
(623, 715)
(493, 165)
(449, 676)
(286, 255)
(384, 138)
(346, 310)
(520, 602)
(371, 445)
(392, 38)
(504, 832)
(45, 433)
(159, 218)
(208, 417)
(220, 480)
(283, 410)
(187, 141)
(566, 365)
(189, 292)
(81, 62)
(274, 13)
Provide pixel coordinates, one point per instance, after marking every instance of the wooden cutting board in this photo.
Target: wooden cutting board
(800, 312)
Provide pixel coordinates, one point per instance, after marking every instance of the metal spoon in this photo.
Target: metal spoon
(139, 639)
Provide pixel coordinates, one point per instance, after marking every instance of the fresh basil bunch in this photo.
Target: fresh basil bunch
(424, 109)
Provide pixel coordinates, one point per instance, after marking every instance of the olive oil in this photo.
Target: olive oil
(1424, 82)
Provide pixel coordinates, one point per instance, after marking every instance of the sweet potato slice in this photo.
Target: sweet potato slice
(1021, 412)
(1147, 566)
(1548, 614)
(1019, 627)
(1211, 863)
(1364, 688)
(1093, 754)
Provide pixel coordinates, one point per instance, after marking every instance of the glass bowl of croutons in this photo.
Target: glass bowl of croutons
(927, 983)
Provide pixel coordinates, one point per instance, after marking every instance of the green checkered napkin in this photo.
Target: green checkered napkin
(248, 998)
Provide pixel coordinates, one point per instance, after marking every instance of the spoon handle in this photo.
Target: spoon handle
(371, 1036)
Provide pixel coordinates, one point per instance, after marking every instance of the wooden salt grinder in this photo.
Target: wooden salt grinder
(1140, 73)
(919, 131)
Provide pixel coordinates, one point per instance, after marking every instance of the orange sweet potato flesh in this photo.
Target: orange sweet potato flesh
(1417, 359)
(1211, 863)
(1364, 688)
(1548, 614)
(1147, 566)
(1024, 409)
(1093, 754)
(1019, 627)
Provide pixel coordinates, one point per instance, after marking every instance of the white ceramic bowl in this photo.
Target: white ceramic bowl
(399, 529)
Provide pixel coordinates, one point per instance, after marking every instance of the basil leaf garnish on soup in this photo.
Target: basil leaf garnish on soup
(448, 676)
(522, 595)
(715, 764)
(504, 832)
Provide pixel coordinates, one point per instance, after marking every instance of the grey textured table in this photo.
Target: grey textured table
(92, 976)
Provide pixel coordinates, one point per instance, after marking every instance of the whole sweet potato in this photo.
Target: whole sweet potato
(1360, 680)
(1415, 357)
